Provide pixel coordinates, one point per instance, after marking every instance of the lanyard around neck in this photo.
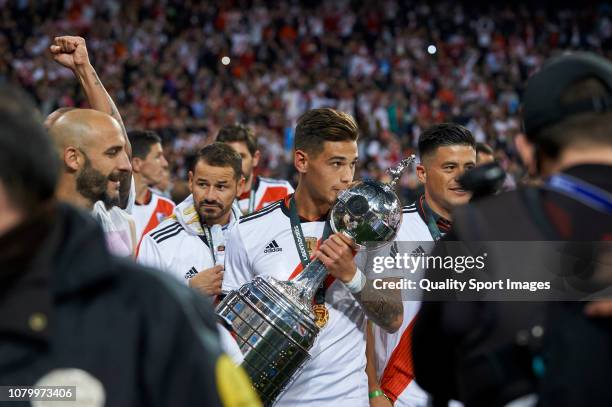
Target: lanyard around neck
(251, 206)
(298, 234)
(208, 239)
(432, 225)
(211, 245)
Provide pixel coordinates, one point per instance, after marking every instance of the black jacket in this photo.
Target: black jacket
(65, 302)
(577, 350)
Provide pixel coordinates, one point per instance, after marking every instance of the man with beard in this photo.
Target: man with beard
(258, 191)
(91, 147)
(71, 52)
(119, 227)
(190, 244)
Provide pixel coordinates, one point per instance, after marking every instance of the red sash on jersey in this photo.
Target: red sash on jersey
(162, 207)
(399, 371)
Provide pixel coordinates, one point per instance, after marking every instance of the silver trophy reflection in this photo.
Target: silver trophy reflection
(273, 320)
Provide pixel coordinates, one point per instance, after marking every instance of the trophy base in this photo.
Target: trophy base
(275, 331)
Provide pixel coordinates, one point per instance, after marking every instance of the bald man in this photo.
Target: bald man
(92, 152)
(71, 52)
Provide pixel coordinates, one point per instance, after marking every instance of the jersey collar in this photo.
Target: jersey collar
(148, 198)
(285, 209)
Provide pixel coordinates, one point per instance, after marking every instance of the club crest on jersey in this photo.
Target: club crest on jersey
(273, 247)
(160, 216)
(321, 315)
(311, 244)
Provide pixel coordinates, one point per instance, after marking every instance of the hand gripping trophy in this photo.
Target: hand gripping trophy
(273, 320)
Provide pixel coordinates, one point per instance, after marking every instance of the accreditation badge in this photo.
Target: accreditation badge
(321, 314)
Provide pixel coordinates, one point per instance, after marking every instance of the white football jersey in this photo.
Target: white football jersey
(151, 214)
(262, 244)
(264, 192)
(179, 244)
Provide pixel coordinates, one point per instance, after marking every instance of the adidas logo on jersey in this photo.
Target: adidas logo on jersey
(394, 250)
(273, 247)
(419, 251)
(191, 273)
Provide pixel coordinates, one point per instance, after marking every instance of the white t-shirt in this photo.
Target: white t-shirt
(119, 229)
(262, 244)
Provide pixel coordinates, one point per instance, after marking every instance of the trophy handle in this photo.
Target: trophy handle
(308, 281)
(396, 172)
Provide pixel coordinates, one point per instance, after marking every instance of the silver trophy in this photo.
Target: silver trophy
(273, 321)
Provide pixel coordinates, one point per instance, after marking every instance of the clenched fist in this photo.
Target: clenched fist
(70, 52)
(208, 281)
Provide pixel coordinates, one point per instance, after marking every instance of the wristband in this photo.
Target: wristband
(376, 393)
(357, 282)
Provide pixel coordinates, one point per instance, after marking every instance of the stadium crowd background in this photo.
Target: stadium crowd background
(398, 67)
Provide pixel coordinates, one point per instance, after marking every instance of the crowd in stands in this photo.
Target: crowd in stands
(186, 68)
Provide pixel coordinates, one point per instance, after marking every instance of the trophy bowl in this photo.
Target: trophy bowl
(369, 212)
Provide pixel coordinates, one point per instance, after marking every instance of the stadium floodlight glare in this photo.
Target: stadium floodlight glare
(432, 49)
(225, 60)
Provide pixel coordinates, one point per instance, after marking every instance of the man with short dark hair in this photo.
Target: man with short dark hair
(258, 191)
(446, 150)
(190, 245)
(73, 315)
(266, 243)
(148, 164)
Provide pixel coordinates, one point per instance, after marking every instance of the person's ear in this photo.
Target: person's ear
(300, 161)
(256, 158)
(190, 181)
(73, 158)
(136, 164)
(240, 185)
(526, 151)
(421, 173)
